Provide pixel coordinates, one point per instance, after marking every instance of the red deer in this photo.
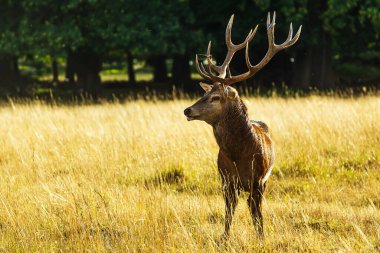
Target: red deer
(246, 151)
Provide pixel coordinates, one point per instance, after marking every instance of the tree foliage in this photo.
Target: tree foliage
(335, 34)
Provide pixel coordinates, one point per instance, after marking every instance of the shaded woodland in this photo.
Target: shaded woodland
(78, 39)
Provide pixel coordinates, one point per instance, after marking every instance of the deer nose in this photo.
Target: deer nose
(187, 111)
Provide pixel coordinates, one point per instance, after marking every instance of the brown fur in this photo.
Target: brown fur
(246, 151)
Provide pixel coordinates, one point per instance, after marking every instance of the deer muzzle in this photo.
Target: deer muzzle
(189, 114)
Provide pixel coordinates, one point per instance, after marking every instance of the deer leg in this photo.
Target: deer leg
(231, 200)
(254, 203)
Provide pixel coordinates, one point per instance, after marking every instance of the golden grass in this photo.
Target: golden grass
(137, 177)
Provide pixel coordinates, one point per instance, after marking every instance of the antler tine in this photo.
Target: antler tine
(270, 29)
(209, 57)
(290, 40)
(209, 60)
(249, 37)
(228, 72)
(228, 30)
(209, 48)
(201, 70)
(290, 34)
(247, 61)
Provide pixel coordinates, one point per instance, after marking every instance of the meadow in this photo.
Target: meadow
(137, 177)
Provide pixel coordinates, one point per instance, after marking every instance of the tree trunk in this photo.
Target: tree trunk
(131, 71)
(87, 65)
(302, 70)
(54, 66)
(323, 77)
(181, 72)
(9, 73)
(160, 72)
(16, 69)
(313, 67)
(70, 72)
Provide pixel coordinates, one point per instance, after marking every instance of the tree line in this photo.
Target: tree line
(339, 44)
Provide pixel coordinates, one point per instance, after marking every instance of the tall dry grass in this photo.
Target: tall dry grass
(137, 177)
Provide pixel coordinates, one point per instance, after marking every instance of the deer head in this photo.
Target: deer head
(211, 106)
(219, 93)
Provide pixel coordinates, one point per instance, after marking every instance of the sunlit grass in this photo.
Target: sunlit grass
(138, 177)
(105, 77)
(125, 77)
(119, 77)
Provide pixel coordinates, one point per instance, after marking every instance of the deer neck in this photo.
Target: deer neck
(233, 130)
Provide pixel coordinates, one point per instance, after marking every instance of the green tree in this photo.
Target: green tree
(158, 31)
(336, 35)
(355, 27)
(12, 44)
(339, 38)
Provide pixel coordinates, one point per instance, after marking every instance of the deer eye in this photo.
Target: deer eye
(215, 98)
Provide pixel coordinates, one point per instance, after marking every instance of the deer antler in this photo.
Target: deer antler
(232, 49)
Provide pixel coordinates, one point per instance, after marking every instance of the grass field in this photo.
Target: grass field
(137, 177)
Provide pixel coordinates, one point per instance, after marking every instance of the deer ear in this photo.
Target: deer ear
(231, 92)
(207, 87)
